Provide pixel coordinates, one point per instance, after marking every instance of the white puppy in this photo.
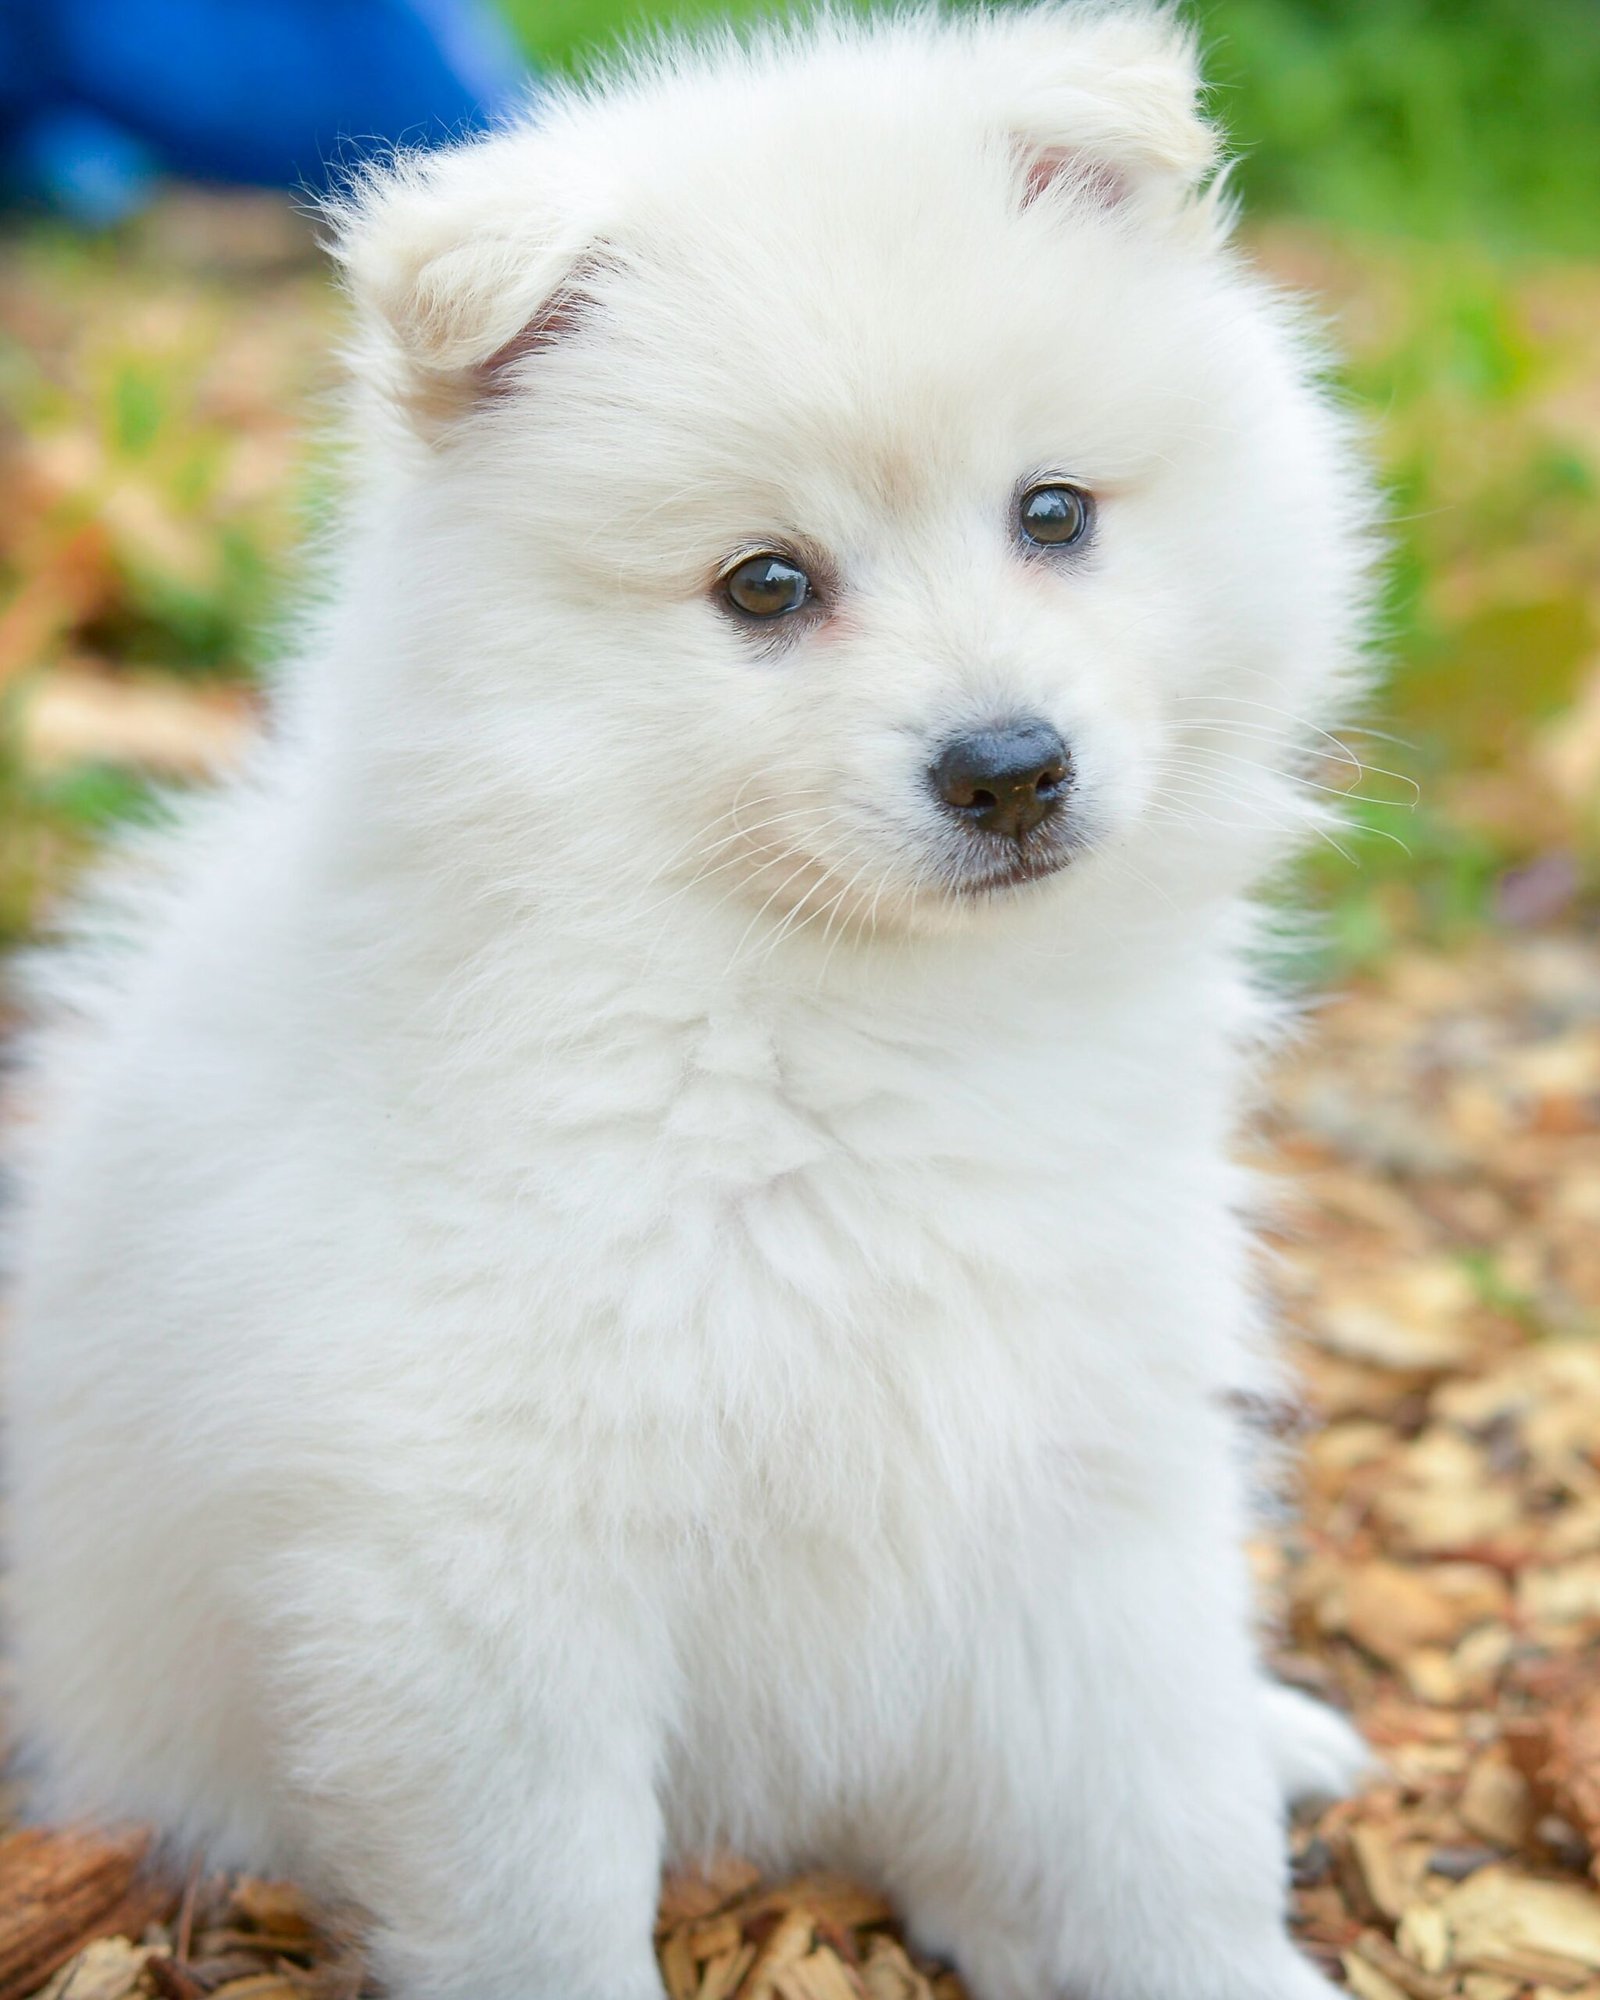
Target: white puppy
(641, 1251)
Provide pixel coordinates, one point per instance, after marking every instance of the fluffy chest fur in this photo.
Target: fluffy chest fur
(804, 1251)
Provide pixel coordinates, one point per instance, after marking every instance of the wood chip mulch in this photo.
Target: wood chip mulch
(1439, 1259)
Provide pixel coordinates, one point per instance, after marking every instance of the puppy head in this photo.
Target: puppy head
(862, 471)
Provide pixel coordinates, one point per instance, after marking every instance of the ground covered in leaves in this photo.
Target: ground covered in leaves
(1438, 1260)
(1441, 1262)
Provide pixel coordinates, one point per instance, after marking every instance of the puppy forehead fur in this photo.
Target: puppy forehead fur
(908, 224)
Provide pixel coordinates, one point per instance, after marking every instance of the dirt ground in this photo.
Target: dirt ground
(1437, 1257)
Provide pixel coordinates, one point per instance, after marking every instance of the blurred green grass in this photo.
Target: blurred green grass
(1430, 170)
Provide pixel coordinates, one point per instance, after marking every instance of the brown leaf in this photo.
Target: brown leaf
(60, 1890)
(1557, 1754)
(1575, 1770)
(722, 1975)
(1376, 1969)
(680, 1971)
(169, 1980)
(277, 1908)
(110, 1968)
(696, 1892)
(262, 1986)
(888, 1973)
(1392, 1865)
(1504, 1921)
(1393, 1608)
(829, 1899)
(789, 1941)
(1497, 1802)
(820, 1975)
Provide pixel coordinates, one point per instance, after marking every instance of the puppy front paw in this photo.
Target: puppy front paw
(1316, 1754)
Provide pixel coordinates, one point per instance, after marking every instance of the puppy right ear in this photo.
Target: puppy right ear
(1104, 102)
(456, 275)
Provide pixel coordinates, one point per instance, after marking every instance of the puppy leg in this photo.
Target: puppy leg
(476, 1770)
(1316, 1754)
(1098, 1816)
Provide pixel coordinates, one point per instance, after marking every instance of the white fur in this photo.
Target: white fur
(577, 1301)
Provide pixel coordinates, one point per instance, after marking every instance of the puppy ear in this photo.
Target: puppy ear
(457, 275)
(1109, 108)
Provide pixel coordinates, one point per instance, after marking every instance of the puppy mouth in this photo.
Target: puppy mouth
(999, 873)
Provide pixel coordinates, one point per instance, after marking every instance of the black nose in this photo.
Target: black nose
(1006, 780)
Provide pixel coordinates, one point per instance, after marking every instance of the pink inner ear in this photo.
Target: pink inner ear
(560, 316)
(1050, 167)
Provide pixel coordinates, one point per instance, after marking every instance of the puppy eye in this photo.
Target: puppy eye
(767, 586)
(1055, 517)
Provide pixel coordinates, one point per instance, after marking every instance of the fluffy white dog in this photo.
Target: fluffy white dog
(636, 1246)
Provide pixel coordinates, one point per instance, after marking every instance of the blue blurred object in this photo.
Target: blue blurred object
(99, 97)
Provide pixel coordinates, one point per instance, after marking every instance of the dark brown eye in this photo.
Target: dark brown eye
(1055, 516)
(767, 587)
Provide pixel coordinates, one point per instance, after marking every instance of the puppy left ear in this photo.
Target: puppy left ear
(1109, 107)
(458, 271)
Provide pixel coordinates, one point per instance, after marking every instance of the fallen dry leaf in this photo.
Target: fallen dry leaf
(60, 1891)
(110, 1968)
(1503, 1921)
